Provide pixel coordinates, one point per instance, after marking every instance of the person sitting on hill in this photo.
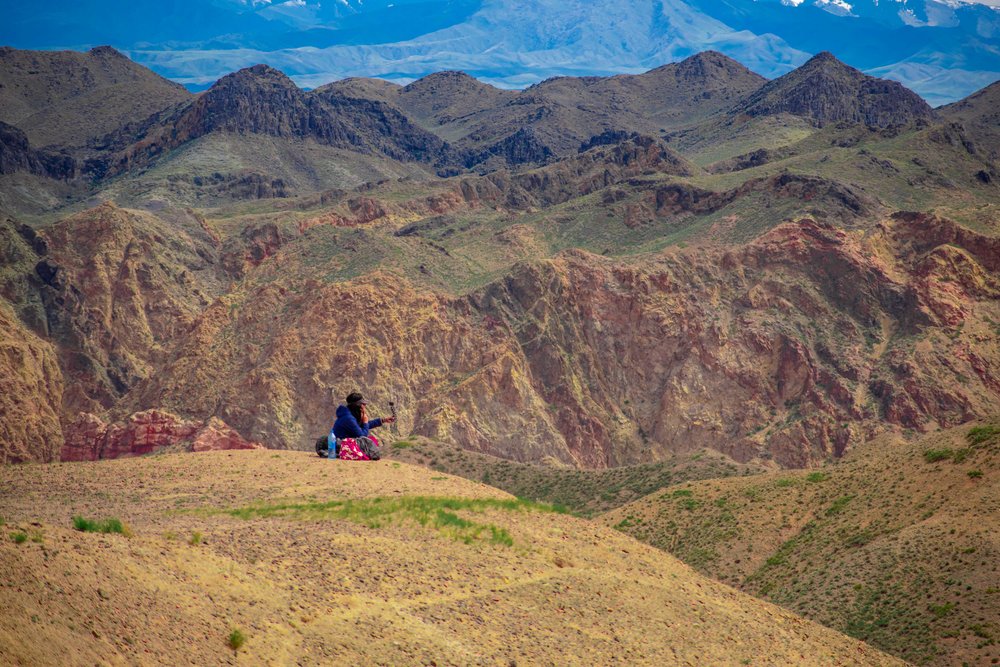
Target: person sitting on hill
(353, 425)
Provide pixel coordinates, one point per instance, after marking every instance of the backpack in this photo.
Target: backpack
(369, 446)
(323, 448)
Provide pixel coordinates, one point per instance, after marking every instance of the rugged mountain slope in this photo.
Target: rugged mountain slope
(980, 108)
(262, 100)
(69, 99)
(31, 388)
(565, 112)
(897, 545)
(17, 155)
(976, 125)
(455, 573)
(612, 362)
(826, 90)
(117, 288)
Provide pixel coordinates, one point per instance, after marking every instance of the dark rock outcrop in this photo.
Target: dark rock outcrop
(16, 154)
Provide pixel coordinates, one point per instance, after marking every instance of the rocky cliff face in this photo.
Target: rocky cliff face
(794, 347)
(31, 388)
(117, 287)
(827, 91)
(16, 154)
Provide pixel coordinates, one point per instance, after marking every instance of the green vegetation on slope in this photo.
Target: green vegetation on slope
(898, 545)
(583, 492)
(440, 514)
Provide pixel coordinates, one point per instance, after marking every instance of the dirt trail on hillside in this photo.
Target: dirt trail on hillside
(308, 587)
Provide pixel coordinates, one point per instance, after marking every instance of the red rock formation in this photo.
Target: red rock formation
(794, 347)
(89, 438)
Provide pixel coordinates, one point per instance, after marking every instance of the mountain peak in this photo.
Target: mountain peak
(827, 90)
(709, 65)
(449, 79)
(824, 57)
(106, 52)
(256, 74)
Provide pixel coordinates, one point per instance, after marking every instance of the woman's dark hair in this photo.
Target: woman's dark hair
(355, 409)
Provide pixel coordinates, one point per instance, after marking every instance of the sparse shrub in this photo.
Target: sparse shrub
(935, 455)
(941, 610)
(975, 474)
(195, 538)
(960, 455)
(690, 504)
(983, 434)
(785, 482)
(19, 537)
(236, 640)
(816, 477)
(111, 525)
(838, 505)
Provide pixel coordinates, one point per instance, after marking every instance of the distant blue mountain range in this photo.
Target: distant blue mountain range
(943, 49)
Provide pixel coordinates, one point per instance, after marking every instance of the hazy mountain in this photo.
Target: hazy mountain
(942, 49)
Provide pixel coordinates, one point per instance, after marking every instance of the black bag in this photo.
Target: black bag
(368, 446)
(323, 447)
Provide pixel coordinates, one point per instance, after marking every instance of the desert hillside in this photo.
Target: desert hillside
(898, 544)
(335, 562)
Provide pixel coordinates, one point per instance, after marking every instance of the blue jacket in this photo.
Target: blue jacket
(347, 426)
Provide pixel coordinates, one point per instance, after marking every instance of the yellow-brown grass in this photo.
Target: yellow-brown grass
(899, 544)
(306, 585)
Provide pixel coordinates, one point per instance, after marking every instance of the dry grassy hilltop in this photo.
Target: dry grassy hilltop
(329, 562)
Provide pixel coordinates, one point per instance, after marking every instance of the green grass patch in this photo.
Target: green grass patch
(935, 455)
(816, 477)
(438, 513)
(941, 610)
(236, 640)
(838, 505)
(981, 435)
(19, 537)
(111, 525)
(975, 474)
